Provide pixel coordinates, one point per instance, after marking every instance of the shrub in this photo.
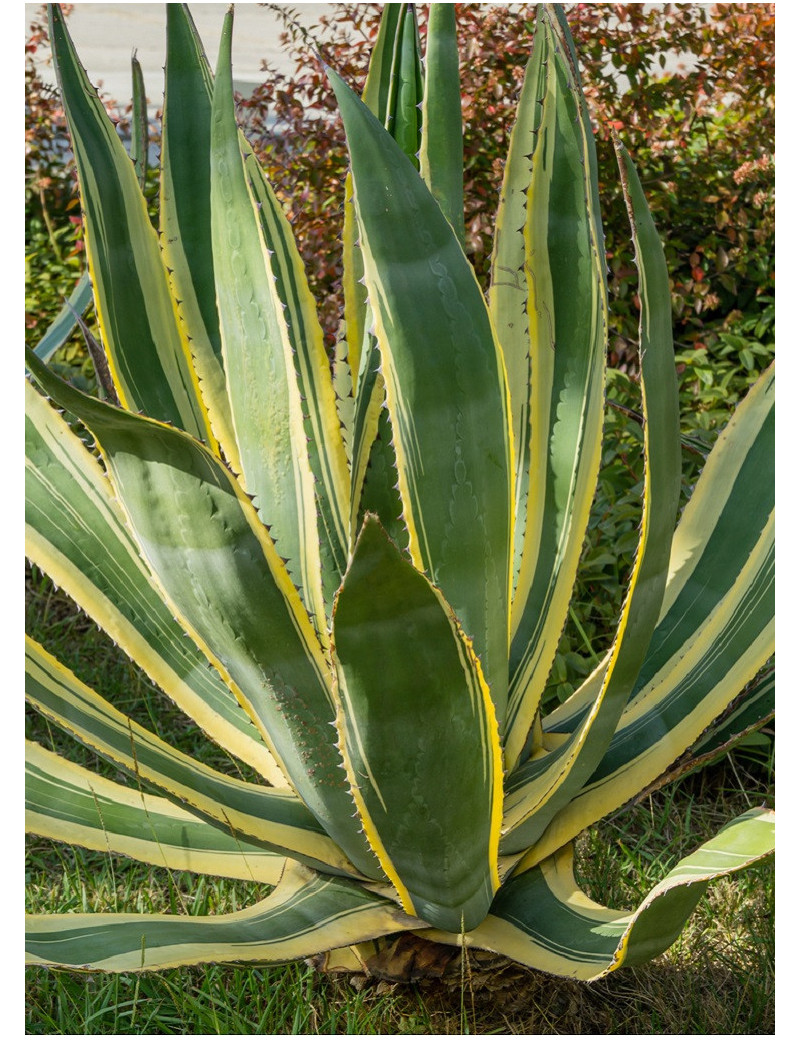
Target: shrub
(703, 136)
(354, 578)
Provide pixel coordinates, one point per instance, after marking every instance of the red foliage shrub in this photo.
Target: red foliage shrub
(689, 87)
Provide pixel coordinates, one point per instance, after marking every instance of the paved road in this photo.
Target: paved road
(106, 35)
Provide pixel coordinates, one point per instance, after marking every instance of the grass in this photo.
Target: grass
(717, 979)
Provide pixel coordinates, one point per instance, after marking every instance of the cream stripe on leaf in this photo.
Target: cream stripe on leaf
(257, 354)
(185, 214)
(561, 775)
(264, 815)
(147, 353)
(746, 715)
(542, 918)
(187, 228)
(676, 707)
(548, 303)
(65, 802)
(75, 532)
(393, 92)
(220, 572)
(446, 388)
(420, 736)
(305, 914)
(423, 114)
(722, 523)
(715, 636)
(325, 444)
(749, 713)
(381, 78)
(719, 528)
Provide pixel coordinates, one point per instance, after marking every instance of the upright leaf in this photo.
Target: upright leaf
(420, 736)
(548, 304)
(446, 388)
(148, 356)
(394, 94)
(222, 575)
(312, 369)
(442, 151)
(265, 400)
(185, 214)
(65, 322)
(140, 130)
(560, 776)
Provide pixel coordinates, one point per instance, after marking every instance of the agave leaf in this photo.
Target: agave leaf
(306, 913)
(148, 356)
(221, 574)
(731, 506)
(372, 612)
(262, 387)
(263, 815)
(76, 533)
(65, 802)
(746, 717)
(442, 149)
(185, 214)
(430, 804)
(716, 631)
(559, 779)
(712, 542)
(403, 118)
(446, 388)
(186, 221)
(748, 714)
(140, 136)
(65, 322)
(426, 123)
(394, 94)
(542, 918)
(548, 304)
(323, 436)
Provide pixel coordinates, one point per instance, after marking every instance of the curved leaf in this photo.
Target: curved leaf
(265, 815)
(305, 914)
(446, 388)
(542, 918)
(221, 574)
(677, 706)
(148, 357)
(548, 304)
(717, 626)
(420, 736)
(76, 533)
(65, 802)
(560, 777)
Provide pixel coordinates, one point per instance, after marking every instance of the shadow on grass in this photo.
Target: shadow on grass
(660, 998)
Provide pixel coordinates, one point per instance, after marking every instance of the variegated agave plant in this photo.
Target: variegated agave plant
(374, 558)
